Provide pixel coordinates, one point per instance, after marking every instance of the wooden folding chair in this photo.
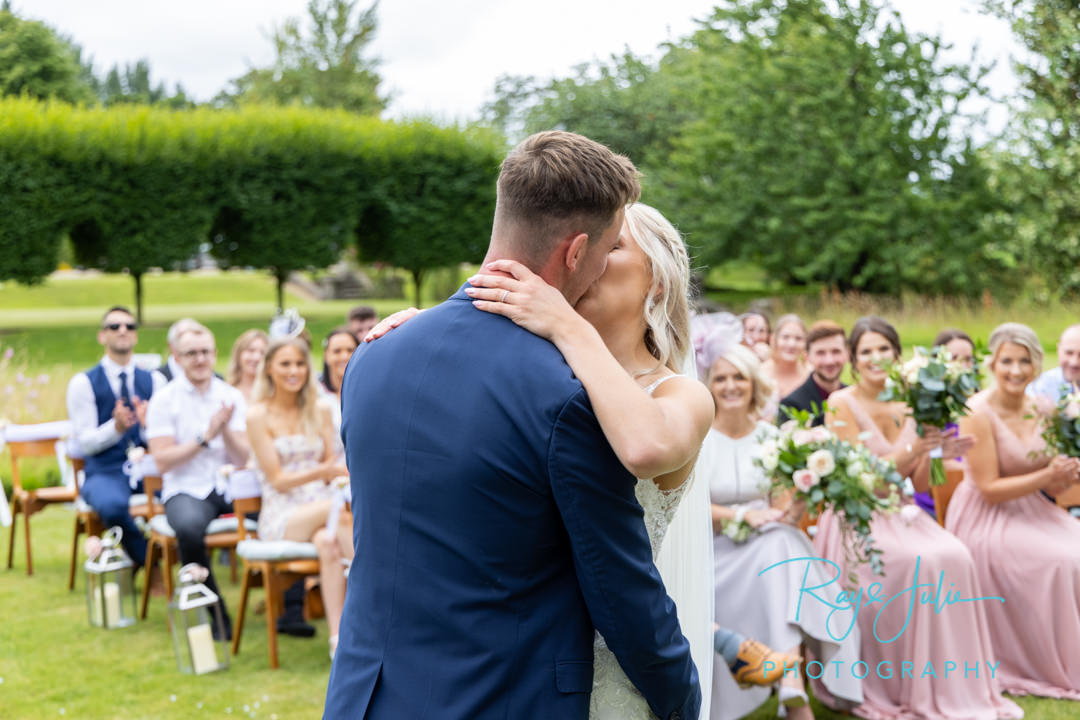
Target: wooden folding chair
(87, 520)
(942, 494)
(273, 565)
(220, 533)
(1070, 498)
(29, 502)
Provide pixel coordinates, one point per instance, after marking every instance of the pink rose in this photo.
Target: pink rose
(789, 426)
(820, 434)
(802, 437)
(805, 479)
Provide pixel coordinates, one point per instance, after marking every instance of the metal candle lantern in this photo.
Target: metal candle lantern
(193, 613)
(110, 594)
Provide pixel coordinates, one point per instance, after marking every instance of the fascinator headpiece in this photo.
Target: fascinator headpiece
(713, 335)
(286, 324)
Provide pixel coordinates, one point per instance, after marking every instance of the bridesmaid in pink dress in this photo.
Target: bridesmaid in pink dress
(957, 634)
(1025, 547)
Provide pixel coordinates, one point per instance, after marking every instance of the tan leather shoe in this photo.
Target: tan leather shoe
(750, 668)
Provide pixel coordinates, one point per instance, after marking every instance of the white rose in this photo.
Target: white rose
(135, 454)
(821, 463)
(869, 481)
(856, 468)
(770, 459)
(909, 513)
(802, 437)
(789, 426)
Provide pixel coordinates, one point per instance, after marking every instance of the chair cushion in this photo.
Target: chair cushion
(134, 501)
(257, 550)
(160, 525)
(54, 494)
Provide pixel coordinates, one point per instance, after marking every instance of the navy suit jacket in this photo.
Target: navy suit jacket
(494, 528)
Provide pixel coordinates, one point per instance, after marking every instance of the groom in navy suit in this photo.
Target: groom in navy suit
(494, 526)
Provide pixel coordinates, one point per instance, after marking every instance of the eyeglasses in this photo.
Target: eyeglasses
(116, 326)
(205, 352)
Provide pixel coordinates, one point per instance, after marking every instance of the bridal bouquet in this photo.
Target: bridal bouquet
(826, 472)
(1061, 429)
(936, 391)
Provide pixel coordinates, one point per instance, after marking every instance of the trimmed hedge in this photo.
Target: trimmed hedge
(286, 189)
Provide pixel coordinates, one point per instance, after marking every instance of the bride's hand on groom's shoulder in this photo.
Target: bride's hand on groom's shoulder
(390, 322)
(524, 298)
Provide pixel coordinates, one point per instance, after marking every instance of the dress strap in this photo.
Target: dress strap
(658, 383)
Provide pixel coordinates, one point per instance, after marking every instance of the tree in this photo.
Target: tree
(132, 84)
(322, 65)
(36, 61)
(823, 147)
(433, 203)
(623, 103)
(1038, 171)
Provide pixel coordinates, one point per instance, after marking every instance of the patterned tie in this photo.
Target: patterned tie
(124, 394)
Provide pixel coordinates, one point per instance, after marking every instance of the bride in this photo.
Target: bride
(625, 341)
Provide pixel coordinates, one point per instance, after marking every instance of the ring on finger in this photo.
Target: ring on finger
(505, 294)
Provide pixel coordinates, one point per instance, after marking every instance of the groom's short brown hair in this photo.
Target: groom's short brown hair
(555, 183)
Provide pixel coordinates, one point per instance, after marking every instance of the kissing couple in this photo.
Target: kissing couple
(505, 547)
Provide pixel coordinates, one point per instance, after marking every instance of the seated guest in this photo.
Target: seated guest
(195, 426)
(959, 344)
(1058, 382)
(172, 367)
(107, 408)
(756, 333)
(338, 347)
(826, 354)
(247, 353)
(292, 437)
(361, 319)
(1025, 549)
(913, 546)
(739, 489)
(786, 369)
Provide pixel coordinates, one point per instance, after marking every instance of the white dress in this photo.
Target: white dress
(613, 695)
(766, 607)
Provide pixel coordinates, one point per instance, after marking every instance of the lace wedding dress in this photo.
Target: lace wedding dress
(613, 696)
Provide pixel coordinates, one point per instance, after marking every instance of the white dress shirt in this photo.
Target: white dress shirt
(1051, 384)
(181, 412)
(82, 406)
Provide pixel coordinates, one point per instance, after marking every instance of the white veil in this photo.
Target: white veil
(685, 560)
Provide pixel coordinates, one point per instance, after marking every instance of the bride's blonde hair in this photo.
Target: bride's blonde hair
(667, 306)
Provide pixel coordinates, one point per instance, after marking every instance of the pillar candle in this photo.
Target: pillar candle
(203, 654)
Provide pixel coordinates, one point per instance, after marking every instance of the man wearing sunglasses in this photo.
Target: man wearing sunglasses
(107, 407)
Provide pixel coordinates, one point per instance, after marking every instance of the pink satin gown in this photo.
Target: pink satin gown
(957, 634)
(1027, 550)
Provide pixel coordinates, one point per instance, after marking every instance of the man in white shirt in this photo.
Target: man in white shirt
(107, 407)
(196, 425)
(1058, 382)
(170, 369)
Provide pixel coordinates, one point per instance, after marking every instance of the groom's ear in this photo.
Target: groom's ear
(575, 250)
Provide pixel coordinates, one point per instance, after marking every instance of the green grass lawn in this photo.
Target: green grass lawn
(54, 665)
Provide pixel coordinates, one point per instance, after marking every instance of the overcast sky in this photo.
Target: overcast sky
(439, 58)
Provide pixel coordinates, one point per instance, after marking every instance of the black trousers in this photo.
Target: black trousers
(189, 517)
